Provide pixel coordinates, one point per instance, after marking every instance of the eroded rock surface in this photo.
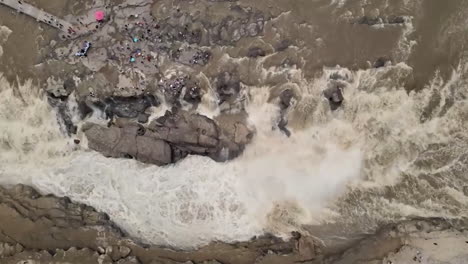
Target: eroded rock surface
(168, 138)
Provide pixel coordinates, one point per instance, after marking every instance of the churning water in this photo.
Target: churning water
(387, 154)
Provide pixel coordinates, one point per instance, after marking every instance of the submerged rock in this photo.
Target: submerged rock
(285, 102)
(255, 52)
(286, 97)
(283, 45)
(335, 96)
(381, 62)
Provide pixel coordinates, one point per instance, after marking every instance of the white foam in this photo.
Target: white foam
(4, 34)
(277, 185)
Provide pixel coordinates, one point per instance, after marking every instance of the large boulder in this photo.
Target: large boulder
(194, 134)
(169, 138)
(128, 107)
(128, 142)
(228, 86)
(335, 97)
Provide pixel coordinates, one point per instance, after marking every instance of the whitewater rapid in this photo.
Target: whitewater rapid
(278, 185)
(373, 161)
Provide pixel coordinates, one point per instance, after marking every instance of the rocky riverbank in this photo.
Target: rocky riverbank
(139, 60)
(166, 79)
(147, 56)
(201, 63)
(36, 228)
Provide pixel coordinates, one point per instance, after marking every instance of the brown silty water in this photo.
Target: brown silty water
(407, 118)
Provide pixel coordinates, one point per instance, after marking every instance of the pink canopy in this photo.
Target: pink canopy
(99, 15)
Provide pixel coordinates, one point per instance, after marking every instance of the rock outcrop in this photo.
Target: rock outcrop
(128, 142)
(168, 138)
(37, 229)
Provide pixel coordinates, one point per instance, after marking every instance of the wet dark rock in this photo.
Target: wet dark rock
(193, 95)
(63, 114)
(129, 107)
(285, 98)
(282, 125)
(381, 62)
(335, 96)
(69, 85)
(84, 109)
(178, 153)
(283, 45)
(255, 52)
(227, 86)
(143, 118)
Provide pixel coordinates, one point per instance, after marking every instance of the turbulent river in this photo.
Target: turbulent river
(389, 153)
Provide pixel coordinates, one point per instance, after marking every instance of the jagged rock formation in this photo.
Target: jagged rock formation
(168, 138)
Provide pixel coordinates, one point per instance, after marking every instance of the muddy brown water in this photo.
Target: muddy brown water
(430, 179)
